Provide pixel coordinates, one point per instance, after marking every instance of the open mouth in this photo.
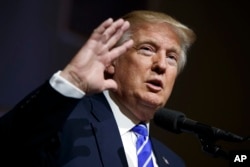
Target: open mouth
(155, 85)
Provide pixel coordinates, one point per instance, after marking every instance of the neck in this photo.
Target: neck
(125, 110)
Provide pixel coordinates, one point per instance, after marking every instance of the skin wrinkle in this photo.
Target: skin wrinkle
(136, 99)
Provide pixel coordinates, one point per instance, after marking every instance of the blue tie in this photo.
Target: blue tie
(143, 146)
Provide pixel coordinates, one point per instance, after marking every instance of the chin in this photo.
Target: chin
(154, 99)
(145, 116)
(152, 104)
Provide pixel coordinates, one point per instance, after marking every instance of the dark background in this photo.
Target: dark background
(37, 38)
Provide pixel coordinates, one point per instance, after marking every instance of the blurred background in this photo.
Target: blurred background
(39, 37)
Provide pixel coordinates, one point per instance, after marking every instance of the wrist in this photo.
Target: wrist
(63, 86)
(73, 78)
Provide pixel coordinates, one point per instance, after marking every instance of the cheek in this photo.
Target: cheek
(170, 78)
(171, 81)
(127, 77)
(129, 69)
(132, 70)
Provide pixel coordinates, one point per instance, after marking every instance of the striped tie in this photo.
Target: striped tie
(143, 146)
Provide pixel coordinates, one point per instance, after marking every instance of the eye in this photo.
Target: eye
(172, 58)
(146, 49)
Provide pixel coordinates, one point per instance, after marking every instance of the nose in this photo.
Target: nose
(159, 63)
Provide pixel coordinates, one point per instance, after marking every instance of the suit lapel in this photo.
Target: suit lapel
(107, 134)
(161, 159)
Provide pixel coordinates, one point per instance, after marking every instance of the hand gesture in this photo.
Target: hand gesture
(86, 69)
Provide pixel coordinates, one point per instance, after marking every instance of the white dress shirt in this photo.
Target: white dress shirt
(124, 123)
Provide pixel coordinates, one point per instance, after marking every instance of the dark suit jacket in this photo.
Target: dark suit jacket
(48, 129)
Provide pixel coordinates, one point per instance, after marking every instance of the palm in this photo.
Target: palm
(90, 62)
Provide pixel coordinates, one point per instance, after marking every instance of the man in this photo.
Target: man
(85, 114)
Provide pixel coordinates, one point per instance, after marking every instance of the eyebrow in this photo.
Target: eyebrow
(153, 43)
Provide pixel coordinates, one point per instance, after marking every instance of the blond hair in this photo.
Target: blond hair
(186, 35)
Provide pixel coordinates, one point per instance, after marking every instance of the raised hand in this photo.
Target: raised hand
(86, 69)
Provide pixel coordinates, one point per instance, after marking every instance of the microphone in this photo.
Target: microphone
(176, 122)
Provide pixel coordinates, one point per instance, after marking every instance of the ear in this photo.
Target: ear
(109, 71)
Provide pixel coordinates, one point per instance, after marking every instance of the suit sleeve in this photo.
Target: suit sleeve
(35, 119)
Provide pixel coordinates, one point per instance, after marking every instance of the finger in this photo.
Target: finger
(118, 34)
(111, 30)
(110, 84)
(117, 51)
(103, 26)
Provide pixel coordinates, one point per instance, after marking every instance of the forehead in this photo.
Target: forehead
(159, 33)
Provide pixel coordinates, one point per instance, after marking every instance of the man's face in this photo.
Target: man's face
(146, 73)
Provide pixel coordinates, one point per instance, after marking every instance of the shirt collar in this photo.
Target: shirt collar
(123, 122)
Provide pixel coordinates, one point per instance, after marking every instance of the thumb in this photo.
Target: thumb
(110, 84)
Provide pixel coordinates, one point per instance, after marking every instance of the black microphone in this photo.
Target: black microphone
(176, 122)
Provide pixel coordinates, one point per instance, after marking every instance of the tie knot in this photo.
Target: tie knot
(140, 129)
